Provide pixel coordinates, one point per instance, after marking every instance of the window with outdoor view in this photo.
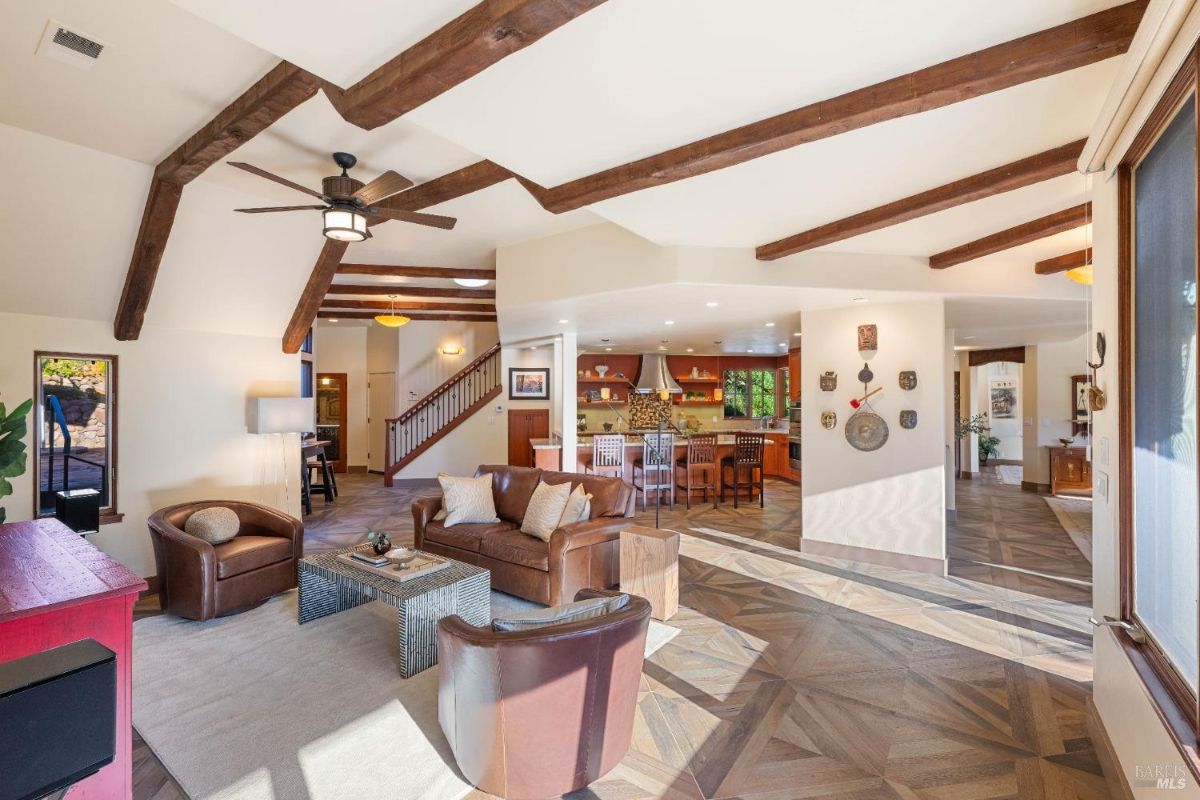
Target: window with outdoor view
(750, 392)
(74, 427)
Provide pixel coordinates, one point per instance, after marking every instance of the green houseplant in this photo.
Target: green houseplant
(12, 446)
(988, 446)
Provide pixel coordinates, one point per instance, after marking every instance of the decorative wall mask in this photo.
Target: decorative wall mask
(866, 431)
(908, 380)
(865, 375)
(868, 338)
(828, 381)
(908, 419)
(828, 420)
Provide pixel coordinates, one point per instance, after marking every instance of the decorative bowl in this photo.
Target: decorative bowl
(401, 557)
(1067, 442)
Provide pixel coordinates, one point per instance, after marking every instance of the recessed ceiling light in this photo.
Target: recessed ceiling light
(533, 347)
(333, 320)
(796, 334)
(858, 299)
(669, 322)
(770, 324)
(712, 304)
(691, 350)
(563, 321)
(662, 347)
(608, 349)
(783, 344)
(749, 351)
(471, 283)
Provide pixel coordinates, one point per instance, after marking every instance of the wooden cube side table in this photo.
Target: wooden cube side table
(650, 568)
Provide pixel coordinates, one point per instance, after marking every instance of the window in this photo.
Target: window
(1160, 481)
(75, 428)
(750, 392)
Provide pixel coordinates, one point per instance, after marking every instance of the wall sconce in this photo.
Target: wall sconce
(718, 394)
(452, 350)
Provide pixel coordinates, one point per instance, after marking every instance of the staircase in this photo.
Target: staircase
(441, 411)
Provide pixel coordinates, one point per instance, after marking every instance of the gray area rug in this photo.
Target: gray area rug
(256, 707)
(1075, 515)
(1011, 474)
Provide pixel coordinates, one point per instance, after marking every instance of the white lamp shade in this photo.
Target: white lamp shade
(344, 224)
(284, 415)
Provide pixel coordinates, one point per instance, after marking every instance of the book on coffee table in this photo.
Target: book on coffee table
(420, 566)
(370, 558)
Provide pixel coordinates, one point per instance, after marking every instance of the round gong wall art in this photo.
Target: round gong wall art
(866, 431)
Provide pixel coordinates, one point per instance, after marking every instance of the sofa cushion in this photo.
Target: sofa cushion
(514, 547)
(578, 507)
(610, 496)
(246, 553)
(467, 500)
(545, 509)
(561, 615)
(214, 524)
(512, 487)
(465, 536)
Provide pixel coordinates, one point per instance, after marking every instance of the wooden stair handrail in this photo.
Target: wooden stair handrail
(445, 386)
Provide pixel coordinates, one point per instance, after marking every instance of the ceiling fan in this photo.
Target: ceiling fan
(349, 205)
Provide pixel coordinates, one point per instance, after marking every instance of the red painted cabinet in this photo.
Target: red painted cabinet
(56, 588)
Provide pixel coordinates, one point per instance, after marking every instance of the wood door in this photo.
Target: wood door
(332, 402)
(381, 406)
(523, 425)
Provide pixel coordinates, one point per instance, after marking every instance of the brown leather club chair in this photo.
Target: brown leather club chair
(198, 580)
(562, 714)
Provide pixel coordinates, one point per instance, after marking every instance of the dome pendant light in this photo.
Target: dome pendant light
(392, 319)
(471, 283)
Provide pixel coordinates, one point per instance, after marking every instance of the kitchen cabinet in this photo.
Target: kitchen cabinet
(775, 459)
(794, 375)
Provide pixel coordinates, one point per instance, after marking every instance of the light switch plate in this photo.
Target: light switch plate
(1100, 486)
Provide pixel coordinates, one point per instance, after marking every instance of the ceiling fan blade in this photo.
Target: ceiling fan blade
(262, 173)
(278, 208)
(383, 187)
(432, 220)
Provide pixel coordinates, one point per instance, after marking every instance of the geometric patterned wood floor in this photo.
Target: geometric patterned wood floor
(797, 676)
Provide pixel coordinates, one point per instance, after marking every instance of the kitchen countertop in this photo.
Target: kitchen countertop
(554, 444)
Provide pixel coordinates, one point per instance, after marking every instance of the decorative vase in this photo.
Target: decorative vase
(381, 544)
(601, 369)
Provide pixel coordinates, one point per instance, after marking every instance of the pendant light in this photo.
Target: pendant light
(471, 283)
(392, 319)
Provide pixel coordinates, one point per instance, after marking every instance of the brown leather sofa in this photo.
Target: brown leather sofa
(585, 555)
(563, 714)
(198, 580)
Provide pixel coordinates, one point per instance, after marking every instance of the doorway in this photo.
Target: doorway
(381, 406)
(523, 425)
(332, 403)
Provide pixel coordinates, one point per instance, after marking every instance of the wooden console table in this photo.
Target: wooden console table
(1070, 470)
(56, 588)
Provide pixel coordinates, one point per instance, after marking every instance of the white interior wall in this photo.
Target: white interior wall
(1057, 362)
(1008, 431)
(182, 405)
(892, 499)
(344, 349)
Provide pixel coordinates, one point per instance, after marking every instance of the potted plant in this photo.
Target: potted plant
(12, 447)
(988, 446)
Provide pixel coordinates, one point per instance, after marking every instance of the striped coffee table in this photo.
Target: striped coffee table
(329, 585)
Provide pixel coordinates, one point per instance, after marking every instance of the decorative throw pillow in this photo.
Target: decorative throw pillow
(467, 500)
(545, 509)
(215, 524)
(579, 504)
(561, 615)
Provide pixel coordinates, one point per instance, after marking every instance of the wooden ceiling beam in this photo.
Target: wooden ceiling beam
(400, 290)
(1066, 47)
(1058, 222)
(1050, 266)
(416, 272)
(314, 293)
(460, 49)
(1025, 172)
(409, 305)
(326, 314)
(276, 93)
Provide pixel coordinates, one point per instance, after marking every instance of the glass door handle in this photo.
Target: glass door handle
(1134, 630)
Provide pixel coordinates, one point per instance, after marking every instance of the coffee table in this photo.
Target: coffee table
(329, 585)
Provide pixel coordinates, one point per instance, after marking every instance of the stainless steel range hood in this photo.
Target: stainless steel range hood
(655, 376)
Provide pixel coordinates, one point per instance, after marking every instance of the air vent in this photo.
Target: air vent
(68, 46)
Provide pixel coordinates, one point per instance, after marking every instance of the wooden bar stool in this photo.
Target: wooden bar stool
(608, 455)
(656, 463)
(747, 461)
(314, 459)
(701, 458)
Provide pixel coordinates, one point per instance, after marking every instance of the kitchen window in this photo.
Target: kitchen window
(750, 393)
(74, 429)
(1159, 476)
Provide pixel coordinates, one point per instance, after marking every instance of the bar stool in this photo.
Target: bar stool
(314, 459)
(747, 460)
(608, 455)
(655, 463)
(701, 458)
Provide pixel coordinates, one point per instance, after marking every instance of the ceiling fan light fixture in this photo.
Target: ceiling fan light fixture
(345, 223)
(471, 283)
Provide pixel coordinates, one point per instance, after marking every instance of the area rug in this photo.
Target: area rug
(256, 707)
(1011, 474)
(1075, 515)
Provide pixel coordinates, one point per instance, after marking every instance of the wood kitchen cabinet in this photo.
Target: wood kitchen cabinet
(1070, 469)
(794, 376)
(775, 459)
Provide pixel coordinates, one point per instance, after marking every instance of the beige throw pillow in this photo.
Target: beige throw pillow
(215, 524)
(578, 504)
(545, 509)
(467, 500)
(561, 615)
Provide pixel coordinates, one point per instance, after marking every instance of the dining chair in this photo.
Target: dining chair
(701, 458)
(656, 463)
(746, 461)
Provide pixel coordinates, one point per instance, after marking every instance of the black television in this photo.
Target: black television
(58, 719)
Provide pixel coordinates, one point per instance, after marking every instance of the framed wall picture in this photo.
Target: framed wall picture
(528, 384)
(1004, 399)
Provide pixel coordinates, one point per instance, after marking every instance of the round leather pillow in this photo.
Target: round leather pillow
(215, 524)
